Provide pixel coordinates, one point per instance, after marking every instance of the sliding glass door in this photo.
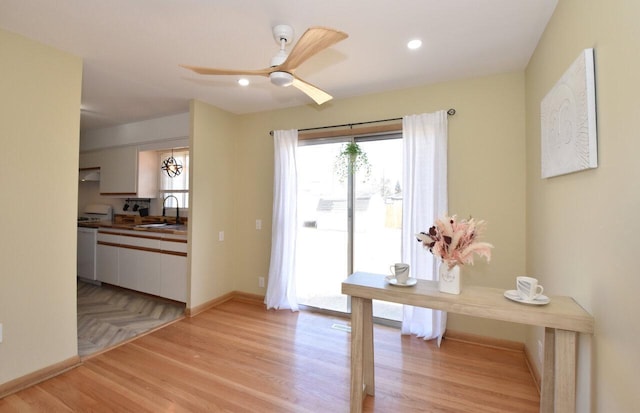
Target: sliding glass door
(347, 223)
(322, 242)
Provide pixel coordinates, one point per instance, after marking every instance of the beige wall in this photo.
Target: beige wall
(582, 230)
(486, 173)
(212, 166)
(40, 112)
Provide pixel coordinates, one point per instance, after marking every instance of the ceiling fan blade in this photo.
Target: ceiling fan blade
(318, 95)
(212, 71)
(313, 41)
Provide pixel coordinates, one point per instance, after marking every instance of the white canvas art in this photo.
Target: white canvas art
(568, 120)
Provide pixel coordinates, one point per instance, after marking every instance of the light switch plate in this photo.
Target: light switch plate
(221, 236)
(0, 332)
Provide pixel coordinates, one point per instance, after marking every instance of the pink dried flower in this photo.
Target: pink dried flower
(455, 241)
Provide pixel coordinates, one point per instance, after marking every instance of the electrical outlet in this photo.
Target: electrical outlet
(221, 236)
(540, 351)
(0, 332)
(261, 282)
(258, 224)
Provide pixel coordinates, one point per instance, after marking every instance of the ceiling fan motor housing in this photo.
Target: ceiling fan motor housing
(281, 78)
(283, 32)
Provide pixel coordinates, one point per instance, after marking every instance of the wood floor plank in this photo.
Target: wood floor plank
(33, 399)
(238, 357)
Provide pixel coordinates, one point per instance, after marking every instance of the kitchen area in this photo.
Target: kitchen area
(132, 242)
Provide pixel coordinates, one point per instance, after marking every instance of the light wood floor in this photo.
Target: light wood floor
(239, 357)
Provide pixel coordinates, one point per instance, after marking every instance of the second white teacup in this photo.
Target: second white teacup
(400, 271)
(528, 288)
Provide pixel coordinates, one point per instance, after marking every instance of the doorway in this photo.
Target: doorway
(347, 223)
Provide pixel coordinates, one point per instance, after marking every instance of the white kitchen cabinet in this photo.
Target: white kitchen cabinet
(107, 258)
(125, 172)
(173, 277)
(173, 271)
(118, 171)
(153, 263)
(90, 160)
(139, 270)
(147, 178)
(139, 264)
(107, 264)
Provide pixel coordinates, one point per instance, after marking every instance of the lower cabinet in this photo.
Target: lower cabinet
(139, 270)
(173, 277)
(107, 264)
(153, 264)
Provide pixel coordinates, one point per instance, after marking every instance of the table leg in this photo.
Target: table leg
(367, 347)
(547, 396)
(362, 373)
(565, 371)
(357, 368)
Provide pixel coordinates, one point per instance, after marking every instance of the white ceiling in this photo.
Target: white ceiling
(132, 48)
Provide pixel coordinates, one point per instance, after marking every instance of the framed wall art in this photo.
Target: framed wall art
(568, 120)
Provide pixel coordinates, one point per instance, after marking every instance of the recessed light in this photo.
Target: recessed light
(243, 82)
(414, 44)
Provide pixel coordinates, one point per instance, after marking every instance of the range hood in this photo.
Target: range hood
(89, 175)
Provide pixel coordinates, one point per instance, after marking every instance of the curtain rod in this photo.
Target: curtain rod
(450, 112)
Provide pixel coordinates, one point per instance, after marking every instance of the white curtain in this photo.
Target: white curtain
(424, 186)
(281, 290)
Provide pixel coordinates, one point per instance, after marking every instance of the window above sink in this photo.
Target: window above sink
(177, 186)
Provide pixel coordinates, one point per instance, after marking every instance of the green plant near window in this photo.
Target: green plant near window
(352, 159)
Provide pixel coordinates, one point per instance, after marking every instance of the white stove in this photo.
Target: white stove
(96, 213)
(88, 220)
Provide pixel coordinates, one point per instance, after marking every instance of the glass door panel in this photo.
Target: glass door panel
(378, 215)
(322, 241)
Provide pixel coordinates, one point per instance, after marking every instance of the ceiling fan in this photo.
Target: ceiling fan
(283, 64)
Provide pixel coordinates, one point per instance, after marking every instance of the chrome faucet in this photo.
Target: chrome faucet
(164, 210)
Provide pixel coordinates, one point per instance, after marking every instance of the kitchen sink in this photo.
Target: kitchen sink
(162, 225)
(156, 225)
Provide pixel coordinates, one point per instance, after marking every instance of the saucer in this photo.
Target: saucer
(514, 296)
(393, 281)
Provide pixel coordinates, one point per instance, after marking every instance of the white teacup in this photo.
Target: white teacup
(400, 271)
(528, 288)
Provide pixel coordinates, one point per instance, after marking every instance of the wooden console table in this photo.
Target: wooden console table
(562, 318)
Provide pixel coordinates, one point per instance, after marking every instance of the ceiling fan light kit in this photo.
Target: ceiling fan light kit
(283, 64)
(281, 78)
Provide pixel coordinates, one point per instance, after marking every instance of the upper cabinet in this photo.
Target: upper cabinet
(124, 172)
(90, 160)
(118, 171)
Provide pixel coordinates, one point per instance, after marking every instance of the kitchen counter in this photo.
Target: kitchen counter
(156, 224)
(88, 225)
(168, 229)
